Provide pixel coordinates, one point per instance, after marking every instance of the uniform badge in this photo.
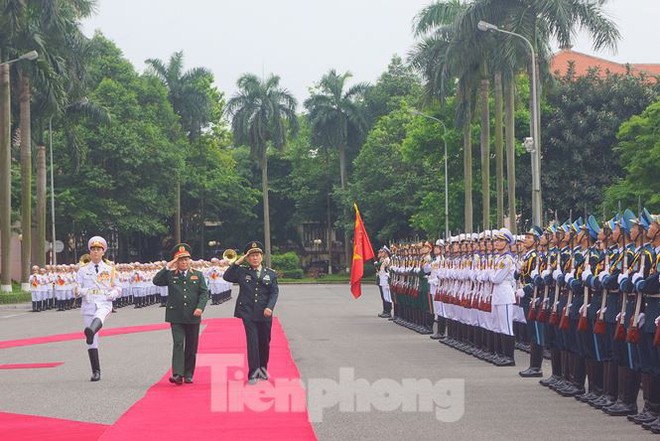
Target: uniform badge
(248, 278)
(501, 265)
(266, 278)
(194, 278)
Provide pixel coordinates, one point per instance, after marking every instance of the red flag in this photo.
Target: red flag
(362, 251)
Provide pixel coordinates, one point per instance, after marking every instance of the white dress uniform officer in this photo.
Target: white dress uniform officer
(98, 285)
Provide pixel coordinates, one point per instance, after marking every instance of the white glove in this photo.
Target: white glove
(545, 302)
(642, 320)
(618, 317)
(556, 273)
(585, 274)
(604, 311)
(519, 293)
(569, 277)
(636, 277)
(545, 273)
(534, 273)
(582, 308)
(602, 275)
(657, 321)
(622, 277)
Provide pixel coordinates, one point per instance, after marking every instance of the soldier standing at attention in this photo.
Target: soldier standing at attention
(98, 285)
(186, 300)
(258, 292)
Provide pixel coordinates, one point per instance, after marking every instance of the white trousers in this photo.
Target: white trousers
(101, 313)
(503, 315)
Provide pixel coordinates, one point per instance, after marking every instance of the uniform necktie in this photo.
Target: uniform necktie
(96, 267)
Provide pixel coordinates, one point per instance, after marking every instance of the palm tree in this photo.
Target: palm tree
(48, 27)
(540, 21)
(442, 56)
(337, 118)
(187, 94)
(262, 114)
(452, 47)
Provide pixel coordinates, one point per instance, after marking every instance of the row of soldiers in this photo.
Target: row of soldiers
(54, 286)
(588, 294)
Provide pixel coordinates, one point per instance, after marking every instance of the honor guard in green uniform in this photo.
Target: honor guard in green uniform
(186, 300)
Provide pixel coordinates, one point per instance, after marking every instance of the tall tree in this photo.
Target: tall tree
(189, 95)
(44, 26)
(337, 117)
(262, 114)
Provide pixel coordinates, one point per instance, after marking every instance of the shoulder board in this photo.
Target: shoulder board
(82, 265)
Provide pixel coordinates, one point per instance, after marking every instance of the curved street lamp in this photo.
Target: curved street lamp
(444, 139)
(536, 116)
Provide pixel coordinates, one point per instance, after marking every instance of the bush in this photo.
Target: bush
(293, 274)
(286, 262)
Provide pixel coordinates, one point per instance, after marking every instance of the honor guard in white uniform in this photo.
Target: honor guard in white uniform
(98, 285)
(503, 298)
(383, 275)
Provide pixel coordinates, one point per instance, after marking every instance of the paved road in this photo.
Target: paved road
(327, 331)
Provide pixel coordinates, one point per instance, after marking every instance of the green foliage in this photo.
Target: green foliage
(579, 127)
(286, 262)
(397, 83)
(639, 152)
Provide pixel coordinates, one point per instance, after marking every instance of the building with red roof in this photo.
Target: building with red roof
(583, 62)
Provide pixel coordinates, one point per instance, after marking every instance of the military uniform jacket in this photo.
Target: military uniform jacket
(98, 285)
(257, 291)
(185, 294)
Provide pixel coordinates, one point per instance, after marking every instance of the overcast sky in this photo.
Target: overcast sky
(300, 40)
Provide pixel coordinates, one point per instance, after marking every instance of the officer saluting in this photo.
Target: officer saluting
(186, 300)
(256, 300)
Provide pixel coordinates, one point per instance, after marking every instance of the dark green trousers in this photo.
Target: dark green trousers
(185, 337)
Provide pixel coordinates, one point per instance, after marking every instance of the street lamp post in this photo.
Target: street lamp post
(444, 139)
(536, 116)
(5, 170)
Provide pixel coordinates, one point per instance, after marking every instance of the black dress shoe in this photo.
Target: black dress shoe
(651, 424)
(188, 380)
(645, 416)
(252, 381)
(620, 409)
(96, 376)
(176, 379)
(531, 372)
(384, 315)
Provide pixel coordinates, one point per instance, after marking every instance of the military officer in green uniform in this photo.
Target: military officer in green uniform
(256, 300)
(186, 299)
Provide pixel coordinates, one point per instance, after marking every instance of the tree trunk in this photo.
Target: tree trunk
(264, 189)
(26, 181)
(202, 226)
(509, 112)
(499, 149)
(177, 212)
(5, 180)
(485, 155)
(40, 215)
(329, 220)
(467, 169)
(348, 252)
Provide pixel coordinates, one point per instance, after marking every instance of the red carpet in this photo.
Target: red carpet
(169, 412)
(31, 365)
(4, 344)
(16, 427)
